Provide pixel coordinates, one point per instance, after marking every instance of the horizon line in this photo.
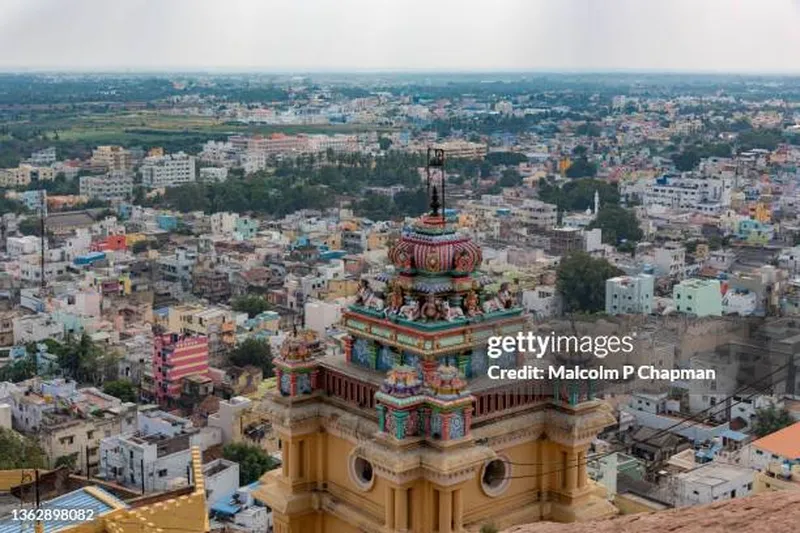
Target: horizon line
(178, 70)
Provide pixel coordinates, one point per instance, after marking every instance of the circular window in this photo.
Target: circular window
(361, 472)
(495, 477)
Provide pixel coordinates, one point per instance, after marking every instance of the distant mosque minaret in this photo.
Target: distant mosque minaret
(596, 202)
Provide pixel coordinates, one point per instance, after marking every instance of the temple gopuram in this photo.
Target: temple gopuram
(404, 432)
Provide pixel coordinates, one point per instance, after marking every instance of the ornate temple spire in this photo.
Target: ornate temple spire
(435, 177)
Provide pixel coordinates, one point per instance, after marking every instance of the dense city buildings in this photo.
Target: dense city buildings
(236, 308)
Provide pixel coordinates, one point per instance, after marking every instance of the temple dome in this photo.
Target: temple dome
(435, 248)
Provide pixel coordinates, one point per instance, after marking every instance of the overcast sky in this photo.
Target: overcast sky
(302, 35)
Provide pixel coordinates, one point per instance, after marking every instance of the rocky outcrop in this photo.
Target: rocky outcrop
(774, 512)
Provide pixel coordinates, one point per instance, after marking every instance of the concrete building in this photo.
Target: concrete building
(24, 175)
(176, 356)
(112, 158)
(70, 435)
(228, 418)
(36, 328)
(178, 267)
(154, 457)
(168, 171)
(543, 302)
(43, 157)
(782, 447)
(670, 260)
(536, 213)
(463, 149)
(17, 246)
(116, 185)
(712, 483)
(213, 174)
(321, 316)
(698, 297)
(630, 295)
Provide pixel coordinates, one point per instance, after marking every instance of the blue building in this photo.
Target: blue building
(89, 259)
(167, 222)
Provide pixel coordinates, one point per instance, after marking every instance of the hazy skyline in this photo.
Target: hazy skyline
(341, 35)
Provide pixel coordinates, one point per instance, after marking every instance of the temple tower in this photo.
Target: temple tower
(405, 432)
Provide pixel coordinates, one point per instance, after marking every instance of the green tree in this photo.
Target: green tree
(385, 143)
(686, 160)
(80, 360)
(122, 389)
(510, 178)
(588, 129)
(253, 352)
(582, 168)
(30, 226)
(252, 305)
(771, 419)
(578, 194)
(506, 158)
(581, 280)
(253, 461)
(618, 224)
(19, 451)
(20, 370)
(69, 461)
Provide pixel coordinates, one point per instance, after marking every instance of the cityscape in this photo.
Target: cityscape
(463, 291)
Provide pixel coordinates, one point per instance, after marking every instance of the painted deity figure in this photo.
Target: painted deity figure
(396, 300)
(410, 311)
(451, 312)
(430, 309)
(504, 296)
(367, 298)
(471, 304)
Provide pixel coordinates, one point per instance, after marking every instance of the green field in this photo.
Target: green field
(149, 127)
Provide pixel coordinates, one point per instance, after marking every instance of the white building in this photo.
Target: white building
(43, 157)
(36, 328)
(155, 457)
(320, 316)
(536, 213)
(116, 185)
(543, 302)
(223, 223)
(712, 483)
(221, 480)
(252, 161)
(670, 260)
(781, 447)
(630, 295)
(741, 303)
(213, 174)
(17, 246)
(168, 170)
(228, 417)
(789, 259)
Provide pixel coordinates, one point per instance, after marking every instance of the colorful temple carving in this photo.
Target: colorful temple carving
(405, 431)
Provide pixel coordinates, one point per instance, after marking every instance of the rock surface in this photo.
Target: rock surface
(774, 512)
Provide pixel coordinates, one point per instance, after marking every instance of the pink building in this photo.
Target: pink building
(176, 356)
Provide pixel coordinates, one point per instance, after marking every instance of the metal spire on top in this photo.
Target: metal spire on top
(435, 162)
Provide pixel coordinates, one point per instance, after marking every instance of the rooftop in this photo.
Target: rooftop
(785, 443)
(86, 498)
